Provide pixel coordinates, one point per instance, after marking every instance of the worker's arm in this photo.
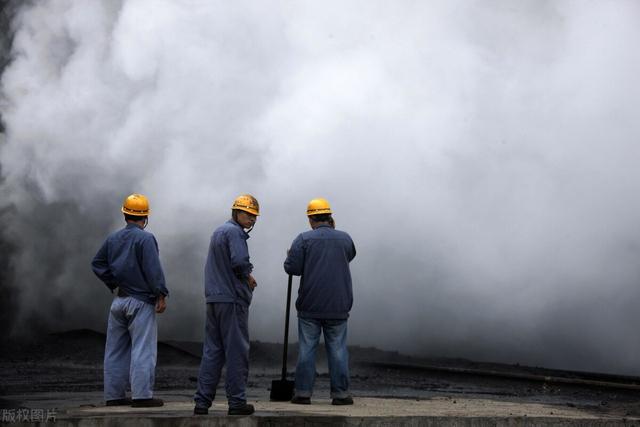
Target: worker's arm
(295, 257)
(239, 253)
(151, 267)
(100, 266)
(351, 253)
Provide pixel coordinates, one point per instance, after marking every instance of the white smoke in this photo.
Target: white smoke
(481, 154)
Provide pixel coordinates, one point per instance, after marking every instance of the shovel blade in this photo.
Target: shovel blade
(281, 390)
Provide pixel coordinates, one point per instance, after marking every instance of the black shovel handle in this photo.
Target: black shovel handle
(286, 330)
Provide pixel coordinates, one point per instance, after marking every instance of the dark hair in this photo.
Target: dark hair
(320, 218)
(128, 217)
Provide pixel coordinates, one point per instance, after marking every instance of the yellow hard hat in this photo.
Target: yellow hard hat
(318, 207)
(136, 205)
(247, 203)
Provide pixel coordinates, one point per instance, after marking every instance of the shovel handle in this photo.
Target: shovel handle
(286, 330)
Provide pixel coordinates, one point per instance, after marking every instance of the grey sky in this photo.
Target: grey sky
(483, 156)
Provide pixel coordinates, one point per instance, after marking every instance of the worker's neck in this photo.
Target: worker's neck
(141, 224)
(315, 225)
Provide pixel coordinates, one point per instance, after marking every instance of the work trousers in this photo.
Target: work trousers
(131, 349)
(335, 341)
(226, 340)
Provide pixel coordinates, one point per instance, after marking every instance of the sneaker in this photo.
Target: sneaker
(118, 402)
(199, 410)
(342, 401)
(146, 403)
(246, 409)
(298, 400)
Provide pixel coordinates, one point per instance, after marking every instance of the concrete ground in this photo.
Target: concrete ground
(87, 409)
(61, 377)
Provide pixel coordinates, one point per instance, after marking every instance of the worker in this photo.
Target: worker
(129, 262)
(322, 256)
(228, 285)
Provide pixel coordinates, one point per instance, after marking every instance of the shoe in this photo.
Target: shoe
(118, 402)
(301, 400)
(199, 410)
(342, 401)
(246, 409)
(146, 403)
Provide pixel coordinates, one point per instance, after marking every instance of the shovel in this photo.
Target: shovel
(282, 389)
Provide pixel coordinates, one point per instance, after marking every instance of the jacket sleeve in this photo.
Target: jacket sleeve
(100, 266)
(239, 253)
(295, 257)
(151, 266)
(351, 253)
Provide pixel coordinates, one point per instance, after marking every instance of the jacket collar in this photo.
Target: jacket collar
(232, 222)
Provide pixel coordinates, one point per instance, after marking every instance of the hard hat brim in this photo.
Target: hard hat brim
(134, 212)
(318, 212)
(246, 209)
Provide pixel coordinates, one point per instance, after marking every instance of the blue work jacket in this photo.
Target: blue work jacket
(322, 258)
(227, 268)
(129, 259)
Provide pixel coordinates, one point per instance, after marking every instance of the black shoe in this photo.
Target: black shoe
(146, 403)
(118, 402)
(301, 400)
(342, 401)
(246, 409)
(199, 410)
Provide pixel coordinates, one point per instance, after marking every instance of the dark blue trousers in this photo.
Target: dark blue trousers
(226, 341)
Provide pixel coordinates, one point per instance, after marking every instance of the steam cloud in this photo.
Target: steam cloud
(483, 156)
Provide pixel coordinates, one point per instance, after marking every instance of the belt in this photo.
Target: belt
(122, 293)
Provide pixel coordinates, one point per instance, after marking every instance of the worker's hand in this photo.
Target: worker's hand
(252, 282)
(161, 304)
